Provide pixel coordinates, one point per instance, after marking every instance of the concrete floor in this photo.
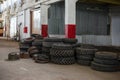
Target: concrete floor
(26, 69)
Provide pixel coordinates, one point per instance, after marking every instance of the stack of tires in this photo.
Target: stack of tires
(105, 61)
(85, 56)
(47, 45)
(119, 61)
(25, 44)
(69, 41)
(38, 44)
(36, 36)
(62, 54)
(33, 51)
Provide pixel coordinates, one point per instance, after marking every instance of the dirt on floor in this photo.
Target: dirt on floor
(27, 69)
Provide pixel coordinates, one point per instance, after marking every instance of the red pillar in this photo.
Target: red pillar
(70, 31)
(44, 30)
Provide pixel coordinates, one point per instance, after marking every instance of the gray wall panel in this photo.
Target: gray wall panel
(91, 19)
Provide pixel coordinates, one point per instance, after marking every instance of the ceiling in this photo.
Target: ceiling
(114, 2)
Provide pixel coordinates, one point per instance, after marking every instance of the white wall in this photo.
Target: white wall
(27, 22)
(24, 18)
(20, 19)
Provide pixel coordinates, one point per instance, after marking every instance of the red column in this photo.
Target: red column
(44, 30)
(70, 31)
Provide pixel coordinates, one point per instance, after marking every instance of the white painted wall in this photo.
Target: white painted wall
(27, 22)
(70, 11)
(20, 19)
(13, 27)
(24, 18)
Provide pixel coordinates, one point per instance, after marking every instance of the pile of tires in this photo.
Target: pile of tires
(25, 44)
(70, 41)
(62, 54)
(47, 45)
(105, 61)
(33, 51)
(85, 56)
(119, 61)
(36, 36)
(38, 44)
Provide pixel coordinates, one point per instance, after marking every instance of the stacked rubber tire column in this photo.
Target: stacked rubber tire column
(85, 56)
(105, 61)
(38, 44)
(62, 54)
(47, 45)
(25, 44)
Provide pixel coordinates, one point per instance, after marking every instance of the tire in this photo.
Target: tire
(31, 53)
(87, 46)
(63, 60)
(23, 50)
(82, 51)
(62, 46)
(13, 56)
(84, 62)
(70, 41)
(85, 57)
(28, 40)
(49, 44)
(106, 55)
(104, 68)
(37, 43)
(24, 46)
(62, 53)
(106, 62)
(119, 57)
(31, 48)
(53, 39)
(44, 49)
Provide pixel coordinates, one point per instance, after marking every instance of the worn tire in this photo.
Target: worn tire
(35, 51)
(13, 56)
(52, 39)
(32, 48)
(106, 55)
(45, 49)
(82, 51)
(62, 46)
(64, 53)
(22, 45)
(49, 44)
(85, 57)
(106, 62)
(63, 60)
(28, 40)
(70, 41)
(37, 43)
(87, 46)
(84, 62)
(104, 68)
